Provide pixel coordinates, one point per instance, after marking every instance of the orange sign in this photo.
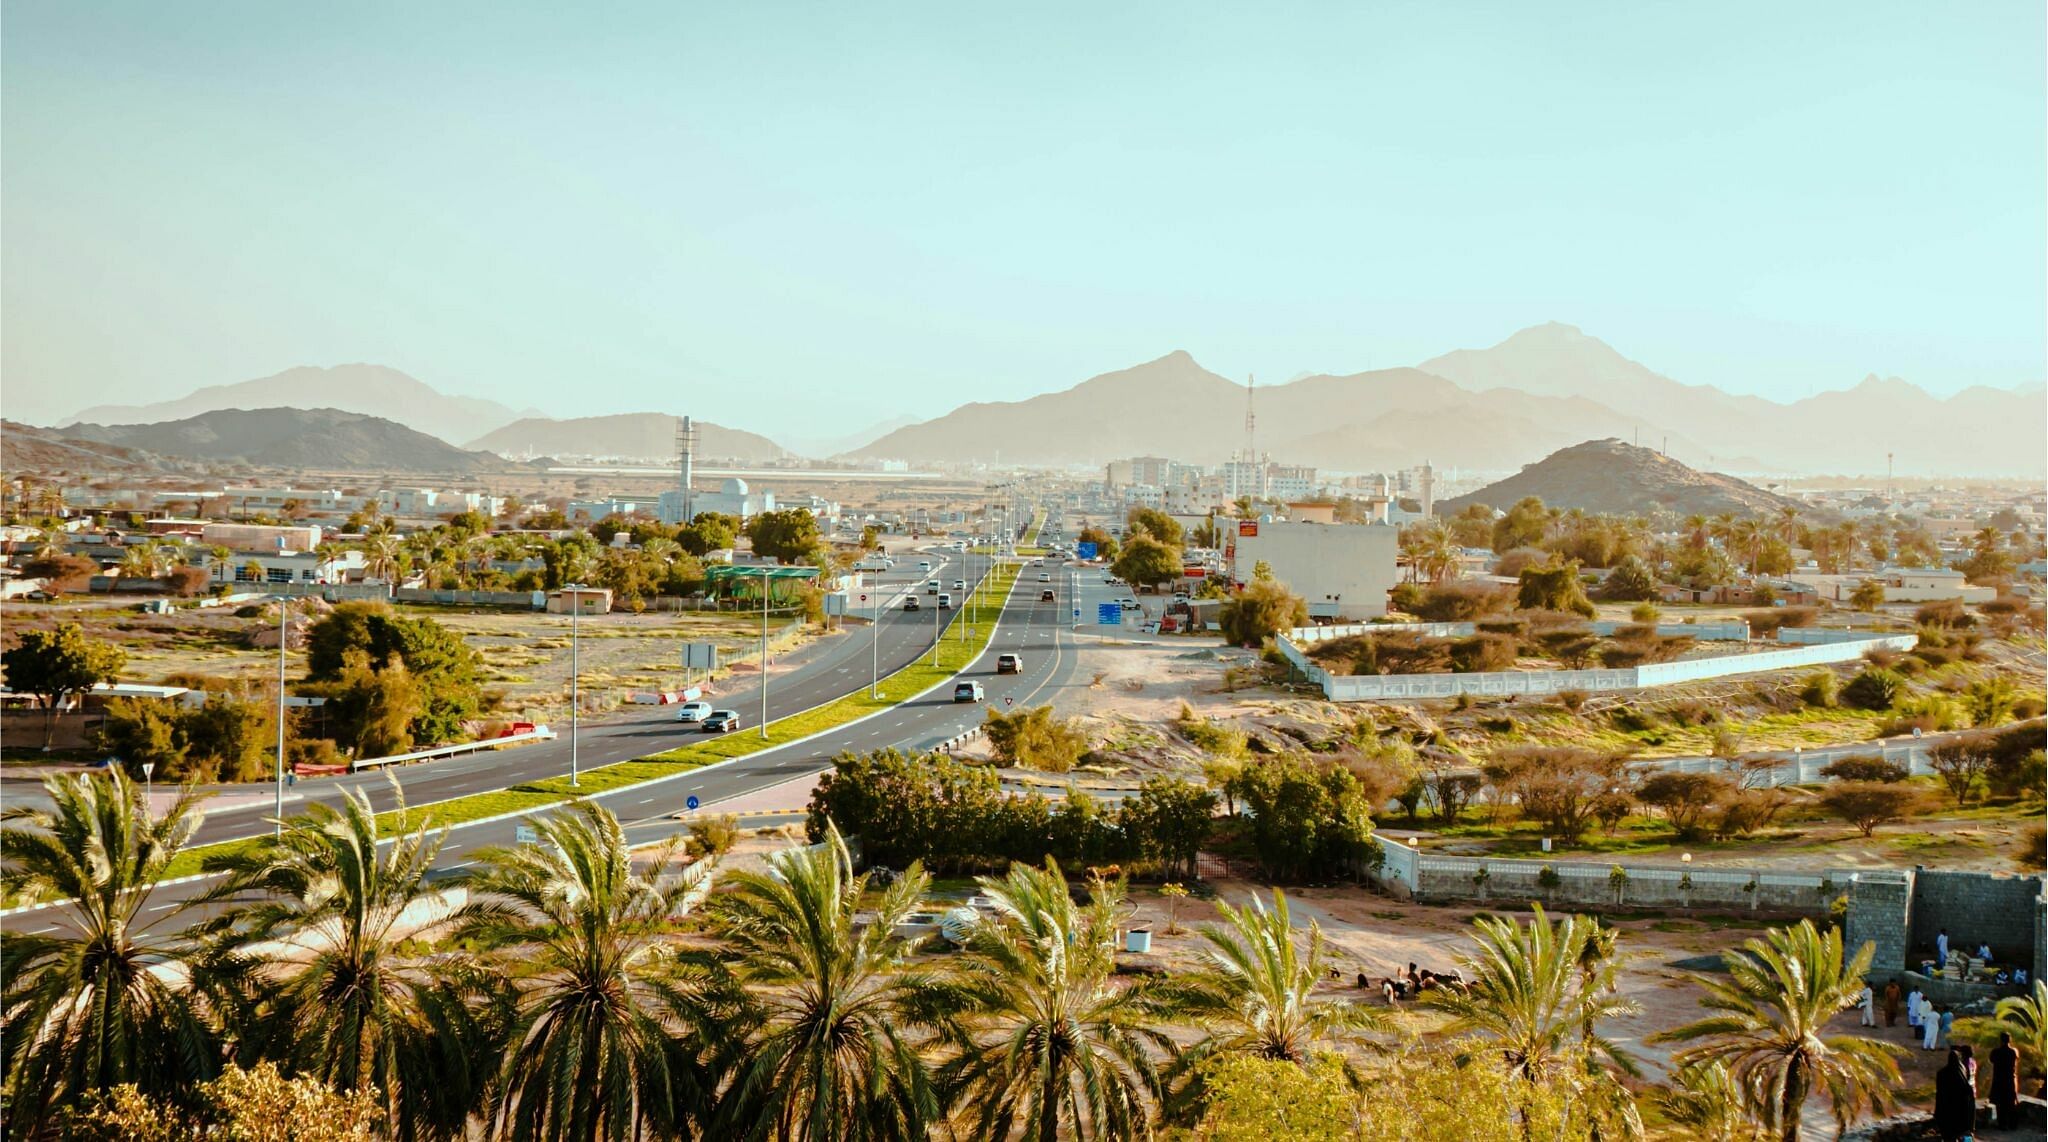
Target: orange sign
(1247, 527)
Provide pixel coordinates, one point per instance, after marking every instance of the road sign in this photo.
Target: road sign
(526, 835)
(1077, 612)
(700, 656)
(1084, 551)
(1009, 701)
(691, 802)
(1109, 614)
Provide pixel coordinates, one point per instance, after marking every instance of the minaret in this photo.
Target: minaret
(686, 457)
(1428, 482)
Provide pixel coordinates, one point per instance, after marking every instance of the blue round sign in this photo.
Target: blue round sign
(692, 803)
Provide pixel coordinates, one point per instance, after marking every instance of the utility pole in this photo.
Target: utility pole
(284, 603)
(764, 653)
(575, 685)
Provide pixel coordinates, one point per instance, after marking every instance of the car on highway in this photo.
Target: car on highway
(1046, 596)
(931, 586)
(910, 603)
(1009, 664)
(924, 565)
(722, 722)
(1044, 578)
(693, 711)
(945, 600)
(959, 584)
(967, 692)
(1129, 603)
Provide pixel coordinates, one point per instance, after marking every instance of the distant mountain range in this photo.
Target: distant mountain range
(45, 451)
(292, 438)
(1623, 479)
(373, 390)
(647, 436)
(1542, 389)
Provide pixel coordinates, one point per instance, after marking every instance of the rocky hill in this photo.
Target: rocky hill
(293, 438)
(373, 390)
(1622, 479)
(649, 436)
(44, 451)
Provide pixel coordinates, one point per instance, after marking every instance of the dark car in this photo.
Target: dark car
(1009, 664)
(1046, 596)
(722, 722)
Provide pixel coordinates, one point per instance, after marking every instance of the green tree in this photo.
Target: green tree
(1523, 525)
(1554, 588)
(1105, 543)
(871, 538)
(439, 664)
(1147, 562)
(788, 535)
(104, 999)
(57, 666)
(354, 1007)
(1155, 523)
(142, 731)
(1629, 581)
(1035, 737)
(1263, 609)
(1868, 595)
(607, 1026)
(1868, 804)
(1168, 821)
(1055, 1046)
(254, 1105)
(1309, 820)
(1770, 1030)
(1705, 1099)
(831, 1025)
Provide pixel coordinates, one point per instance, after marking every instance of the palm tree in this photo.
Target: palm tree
(380, 555)
(220, 561)
(139, 560)
(1786, 526)
(1436, 550)
(1709, 1104)
(2026, 1016)
(344, 999)
(1255, 990)
(1538, 992)
(1058, 1048)
(1770, 1030)
(108, 998)
(606, 1039)
(829, 1053)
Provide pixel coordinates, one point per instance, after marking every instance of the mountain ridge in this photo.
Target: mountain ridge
(626, 435)
(291, 438)
(1615, 477)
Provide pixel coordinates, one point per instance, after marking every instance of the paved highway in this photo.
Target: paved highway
(1042, 632)
(825, 669)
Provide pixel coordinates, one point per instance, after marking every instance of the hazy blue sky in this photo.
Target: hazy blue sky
(805, 218)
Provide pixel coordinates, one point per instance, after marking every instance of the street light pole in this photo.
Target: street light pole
(283, 611)
(764, 654)
(875, 643)
(575, 685)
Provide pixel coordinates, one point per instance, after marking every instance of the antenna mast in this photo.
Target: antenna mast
(686, 458)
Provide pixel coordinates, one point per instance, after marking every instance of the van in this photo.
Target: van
(924, 565)
(945, 599)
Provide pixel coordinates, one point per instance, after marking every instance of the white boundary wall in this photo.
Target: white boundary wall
(1593, 884)
(1383, 687)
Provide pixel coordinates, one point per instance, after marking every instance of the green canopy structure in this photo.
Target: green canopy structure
(746, 580)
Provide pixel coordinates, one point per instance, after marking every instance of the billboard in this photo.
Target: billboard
(1248, 527)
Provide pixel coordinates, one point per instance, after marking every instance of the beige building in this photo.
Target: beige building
(1344, 571)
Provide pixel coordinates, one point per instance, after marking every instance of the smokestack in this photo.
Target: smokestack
(686, 462)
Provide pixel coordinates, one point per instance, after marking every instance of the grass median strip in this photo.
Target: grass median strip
(954, 654)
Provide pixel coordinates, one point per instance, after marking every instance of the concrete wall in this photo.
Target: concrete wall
(1383, 687)
(1880, 913)
(1593, 885)
(530, 600)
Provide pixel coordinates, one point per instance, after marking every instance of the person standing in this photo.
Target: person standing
(1913, 1011)
(1930, 1025)
(1891, 1003)
(1955, 1102)
(2005, 1081)
(1941, 950)
(1869, 1004)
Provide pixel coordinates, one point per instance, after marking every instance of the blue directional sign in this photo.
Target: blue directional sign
(1084, 551)
(1109, 614)
(691, 802)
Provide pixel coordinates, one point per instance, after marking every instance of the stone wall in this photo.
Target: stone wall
(1881, 913)
(1584, 884)
(1975, 907)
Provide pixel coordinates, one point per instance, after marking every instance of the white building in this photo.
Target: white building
(1286, 482)
(1344, 571)
(732, 498)
(1243, 478)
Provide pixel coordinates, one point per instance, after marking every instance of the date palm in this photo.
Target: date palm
(327, 914)
(1770, 1030)
(1057, 1048)
(606, 1039)
(1255, 990)
(107, 998)
(1708, 1104)
(830, 1052)
(1538, 991)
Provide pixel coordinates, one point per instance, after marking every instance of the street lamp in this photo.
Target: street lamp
(284, 604)
(575, 592)
(764, 653)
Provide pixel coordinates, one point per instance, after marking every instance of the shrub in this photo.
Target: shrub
(1406, 597)
(1554, 589)
(1934, 713)
(1462, 602)
(1875, 688)
(1511, 564)
(1645, 613)
(1630, 581)
(1035, 738)
(1864, 767)
(1630, 720)
(1685, 799)
(1763, 623)
(1571, 699)
(1264, 608)
(1509, 626)
(1820, 689)
(1943, 613)
(189, 581)
(714, 836)
(1961, 764)
(2029, 706)
(1483, 653)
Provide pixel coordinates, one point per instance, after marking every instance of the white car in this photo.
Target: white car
(693, 711)
(959, 584)
(1129, 603)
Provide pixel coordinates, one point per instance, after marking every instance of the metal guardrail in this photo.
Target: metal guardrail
(540, 733)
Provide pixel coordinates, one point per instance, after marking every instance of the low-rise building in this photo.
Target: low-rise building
(1344, 571)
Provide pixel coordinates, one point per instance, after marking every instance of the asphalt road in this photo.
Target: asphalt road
(825, 669)
(1043, 633)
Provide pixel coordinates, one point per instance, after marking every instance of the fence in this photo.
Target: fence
(538, 733)
(1732, 630)
(533, 600)
(1377, 687)
(1435, 879)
